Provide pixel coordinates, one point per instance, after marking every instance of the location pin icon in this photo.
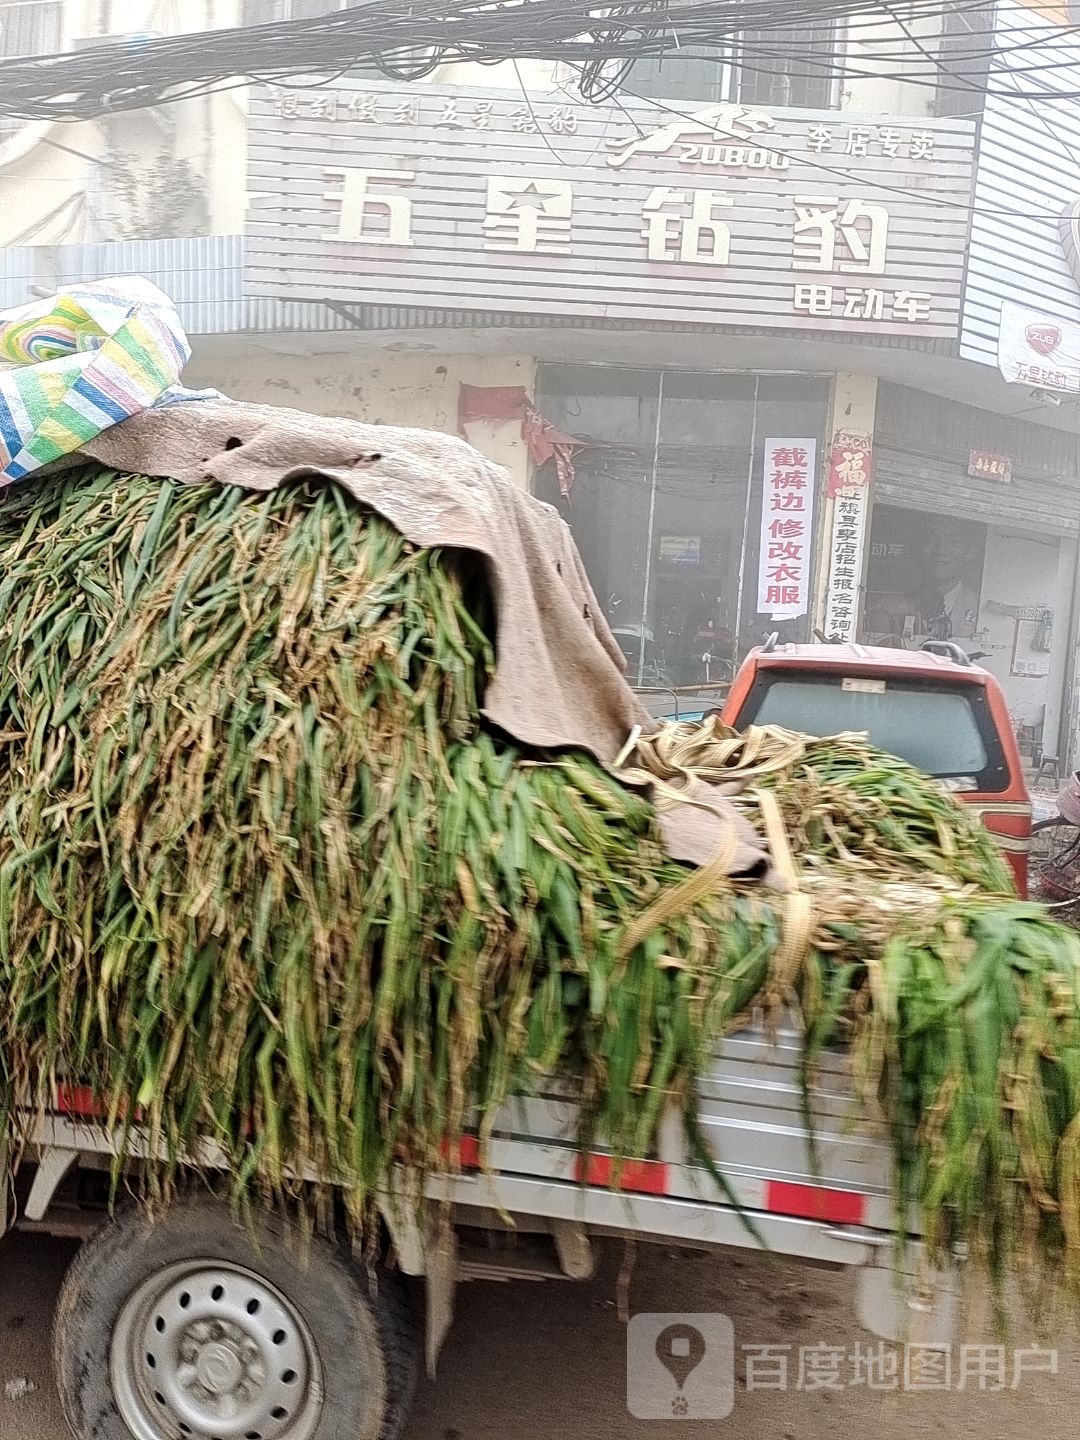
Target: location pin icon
(680, 1349)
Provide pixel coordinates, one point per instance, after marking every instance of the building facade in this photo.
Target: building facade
(742, 323)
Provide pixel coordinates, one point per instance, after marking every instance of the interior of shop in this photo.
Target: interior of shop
(1000, 593)
(666, 506)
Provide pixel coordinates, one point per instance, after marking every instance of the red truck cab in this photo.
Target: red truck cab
(932, 707)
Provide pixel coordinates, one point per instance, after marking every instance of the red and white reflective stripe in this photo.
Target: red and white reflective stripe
(775, 1197)
(604, 1172)
(814, 1202)
(468, 1152)
(81, 1101)
(654, 1177)
(641, 1177)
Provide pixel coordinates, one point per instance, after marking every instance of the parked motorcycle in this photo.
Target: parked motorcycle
(1056, 848)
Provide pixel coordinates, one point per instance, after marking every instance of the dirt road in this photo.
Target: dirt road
(547, 1362)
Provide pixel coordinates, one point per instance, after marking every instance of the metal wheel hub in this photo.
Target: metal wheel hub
(211, 1351)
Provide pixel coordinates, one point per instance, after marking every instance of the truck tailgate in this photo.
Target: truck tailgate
(751, 1115)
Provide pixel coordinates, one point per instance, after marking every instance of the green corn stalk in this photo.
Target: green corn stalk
(266, 878)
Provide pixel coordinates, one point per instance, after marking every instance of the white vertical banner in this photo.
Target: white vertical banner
(847, 544)
(787, 528)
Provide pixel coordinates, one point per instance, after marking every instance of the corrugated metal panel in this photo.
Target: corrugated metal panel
(942, 487)
(203, 274)
(1026, 175)
(405, 317)
(921, 449)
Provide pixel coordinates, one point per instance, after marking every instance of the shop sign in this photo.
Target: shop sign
(787, 515)
(982, 465)
(1038, 349)
(850, 470)
(438, 196)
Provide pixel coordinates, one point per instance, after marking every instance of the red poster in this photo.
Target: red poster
(851, 463)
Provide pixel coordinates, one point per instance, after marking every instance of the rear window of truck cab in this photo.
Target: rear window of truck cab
(945, 730)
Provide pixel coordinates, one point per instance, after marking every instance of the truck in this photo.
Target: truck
(180, 1322)
(184, 1320)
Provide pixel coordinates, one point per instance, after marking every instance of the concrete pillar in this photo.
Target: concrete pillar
(1068, 739)
(851, 426)
(1054, 720)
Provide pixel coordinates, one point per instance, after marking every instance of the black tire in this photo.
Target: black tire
(1055, 822)
(366, 1338)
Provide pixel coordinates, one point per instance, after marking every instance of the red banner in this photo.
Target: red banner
(544, 441)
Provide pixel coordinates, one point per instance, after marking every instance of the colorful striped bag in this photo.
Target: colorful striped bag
(85, 359)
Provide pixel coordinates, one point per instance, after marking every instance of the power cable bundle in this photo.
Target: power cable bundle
(409, 40)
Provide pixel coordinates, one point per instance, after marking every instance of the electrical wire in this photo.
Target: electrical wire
(409, 39)
(72, 207)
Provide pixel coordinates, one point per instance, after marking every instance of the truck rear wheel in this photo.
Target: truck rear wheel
(179, 1327)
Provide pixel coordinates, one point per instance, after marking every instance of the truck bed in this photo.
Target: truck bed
(538, 1182)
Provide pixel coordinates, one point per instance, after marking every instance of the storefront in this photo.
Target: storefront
(635, 234)
(973, 537)
(693, 507)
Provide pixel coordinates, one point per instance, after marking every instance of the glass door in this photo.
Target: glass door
(666, 506)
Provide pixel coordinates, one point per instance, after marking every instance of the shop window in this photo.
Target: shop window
(666, 506)
(923, 578)
(266, 12)
(965, 47)
(759, 67)
(31, 27)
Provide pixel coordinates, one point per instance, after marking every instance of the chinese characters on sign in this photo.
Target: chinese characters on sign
(448, 197)
(529, 213)
(371, 215)
(828, 238)
(869, 140)
(720, 136)
(1047, 377)
(525, 214)
(787, 513)
(1038, 350)
(848, 486)
(984, 466)
(699, 238)
(858, 303)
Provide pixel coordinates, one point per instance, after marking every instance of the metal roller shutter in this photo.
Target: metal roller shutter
(922, 445)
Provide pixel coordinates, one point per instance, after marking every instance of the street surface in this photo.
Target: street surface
(547, 1362)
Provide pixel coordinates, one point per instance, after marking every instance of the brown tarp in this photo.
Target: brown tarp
(559, 673)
